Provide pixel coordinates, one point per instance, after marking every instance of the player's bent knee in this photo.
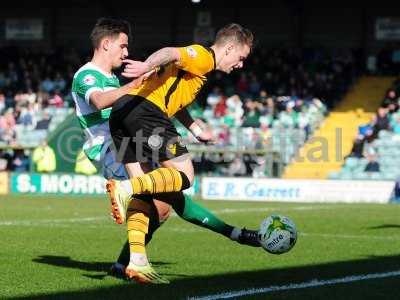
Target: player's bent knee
(187, 180)
(163, 209)
(191, 178)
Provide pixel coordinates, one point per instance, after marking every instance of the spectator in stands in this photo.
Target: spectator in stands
(254, 86)
(44, 158)
(27, 116)
(259, 168)
(44, 122)
(55, 99)
(214, 96)
(235, 111)
(8, 136)
(220, 107)
(373, 164)
(20, 161)
(252, 114)
(288, 117)
(242, 85)
(47, 85)
(59, 82)
(391, 101)
(10, 101)
(380, 121)
(223, 136)
(358, 147)
(5, 160)
(236, 167)
(29, 97)
(7, 120)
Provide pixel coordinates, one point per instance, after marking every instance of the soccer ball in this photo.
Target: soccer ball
(277, 234)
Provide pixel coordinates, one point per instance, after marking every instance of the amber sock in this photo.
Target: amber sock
(161, 180)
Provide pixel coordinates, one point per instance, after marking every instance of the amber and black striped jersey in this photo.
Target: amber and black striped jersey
(176, 85)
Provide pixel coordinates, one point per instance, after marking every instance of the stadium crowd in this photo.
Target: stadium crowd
(277, 89)
(384, 126)
(34, 90)
(279, 95)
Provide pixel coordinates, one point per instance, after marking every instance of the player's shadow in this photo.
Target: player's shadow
(385, 226)
(67, 262)
(371, 277)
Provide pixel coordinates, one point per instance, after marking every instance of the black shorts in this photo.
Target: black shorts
(142, 132)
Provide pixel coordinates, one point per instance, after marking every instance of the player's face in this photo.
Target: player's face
(118, 49)
(235, 56)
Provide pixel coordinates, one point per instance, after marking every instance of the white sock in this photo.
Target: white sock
(235, 233)
(127, 186)
(139, 259)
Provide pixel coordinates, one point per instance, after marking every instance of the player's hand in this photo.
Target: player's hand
(206, 137)
(135, 68)
(138, 81)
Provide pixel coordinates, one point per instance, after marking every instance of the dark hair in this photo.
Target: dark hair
(106, 27)
(236, 33)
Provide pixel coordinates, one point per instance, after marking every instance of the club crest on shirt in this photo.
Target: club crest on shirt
(89, 79)
(172, 148)
(191, 52)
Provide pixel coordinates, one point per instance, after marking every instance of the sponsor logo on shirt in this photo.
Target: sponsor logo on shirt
(89, 79)
(191, 52)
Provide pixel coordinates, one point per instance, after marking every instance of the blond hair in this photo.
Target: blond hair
(234, 33)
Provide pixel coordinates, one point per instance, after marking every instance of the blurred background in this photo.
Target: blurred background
(318, 98)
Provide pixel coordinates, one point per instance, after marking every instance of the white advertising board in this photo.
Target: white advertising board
(257, 189)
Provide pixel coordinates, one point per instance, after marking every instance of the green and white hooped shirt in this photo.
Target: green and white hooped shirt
(88, 79)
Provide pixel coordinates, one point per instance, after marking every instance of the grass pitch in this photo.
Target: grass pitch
(57, 247)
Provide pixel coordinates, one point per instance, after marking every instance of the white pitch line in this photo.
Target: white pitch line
(101, 218)
(293, 286)
(56, 222)
(51, 221)
(350, 236)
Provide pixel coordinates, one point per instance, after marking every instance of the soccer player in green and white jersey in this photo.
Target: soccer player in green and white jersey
(95, 88)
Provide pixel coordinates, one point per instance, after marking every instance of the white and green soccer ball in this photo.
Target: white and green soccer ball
(277, 234)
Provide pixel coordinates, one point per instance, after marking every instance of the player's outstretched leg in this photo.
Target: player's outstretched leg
(193, 212)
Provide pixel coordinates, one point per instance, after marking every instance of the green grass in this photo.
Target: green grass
(61, 248)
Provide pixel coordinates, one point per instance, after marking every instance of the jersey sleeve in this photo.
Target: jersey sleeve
(196, 59)
(85, 83)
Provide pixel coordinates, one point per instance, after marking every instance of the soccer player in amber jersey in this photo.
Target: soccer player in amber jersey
(95, 88)
(143, 133)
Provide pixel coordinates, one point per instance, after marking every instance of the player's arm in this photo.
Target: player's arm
(201, 134)
(101, 99)
(159, 58)
(194, 59)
